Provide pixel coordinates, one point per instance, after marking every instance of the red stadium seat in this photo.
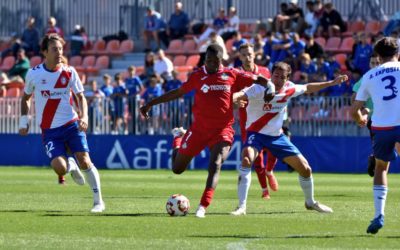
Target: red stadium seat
(126, 46)
(321, 41)
(354, 28)
(179, 60)
(102, 62)
(98, 48)
(373, 27)
(347, 45)
(88, 61)
(341, 59)
(112, 48)
(75, 61)
(193, 60)
(7, 64)
(190, 47)
(13, 92)
(182, 76)
(35, 60)
(175, 47)
(332, 45)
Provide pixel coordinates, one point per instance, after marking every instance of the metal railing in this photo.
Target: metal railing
(308, 116)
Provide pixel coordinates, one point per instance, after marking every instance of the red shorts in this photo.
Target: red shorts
(196, 139)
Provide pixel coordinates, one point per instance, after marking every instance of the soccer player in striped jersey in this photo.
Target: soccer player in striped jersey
(265, 111)
(51, 83)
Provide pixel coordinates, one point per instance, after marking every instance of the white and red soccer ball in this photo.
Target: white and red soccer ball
(177, 205)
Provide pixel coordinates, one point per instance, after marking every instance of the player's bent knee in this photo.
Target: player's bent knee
(246, 162)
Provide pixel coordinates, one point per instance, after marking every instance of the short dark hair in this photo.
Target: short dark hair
(386, 47)
(215, 49)
(52, 37)
(282, 66)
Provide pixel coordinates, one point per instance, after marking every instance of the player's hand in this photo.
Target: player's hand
(144, 110)
(23, 131)
(242, 103)
(340, 79)
(363, 121)
(83, 124)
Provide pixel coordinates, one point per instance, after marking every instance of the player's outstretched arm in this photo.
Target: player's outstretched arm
(261, 80)
(317, 86)
(24, 120)
(240, 98)
(356, 112)
(169, 96)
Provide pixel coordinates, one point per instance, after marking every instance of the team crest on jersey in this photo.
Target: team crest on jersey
(184, 145)
(224, 77)
(45, 93)
(205, 88)
(63, 80)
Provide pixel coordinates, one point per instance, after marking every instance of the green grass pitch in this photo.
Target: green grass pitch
(36, 213)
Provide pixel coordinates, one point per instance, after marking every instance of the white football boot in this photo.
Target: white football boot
(98, 208)
(239, 211)
(201, 212)
(319, 207)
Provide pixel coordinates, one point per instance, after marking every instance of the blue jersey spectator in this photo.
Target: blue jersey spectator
(307, 65)
(107, 88)
(133, 83)
(297, 47)
(30, 37)
(221, 20)
(174, 83)
(362, 55)
(283, 46)
(178, 22)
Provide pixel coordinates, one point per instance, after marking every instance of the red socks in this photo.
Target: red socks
(271, 161)
(262, 179)
(207, 197)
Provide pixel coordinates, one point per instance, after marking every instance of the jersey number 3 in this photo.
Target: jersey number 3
(392, 81)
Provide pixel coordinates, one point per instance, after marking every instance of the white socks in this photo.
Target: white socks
(71, 164)
(244, 182)
(93, 178)
(307, 184)
(380, 193)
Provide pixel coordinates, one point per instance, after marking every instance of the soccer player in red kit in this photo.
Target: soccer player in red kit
(213, 117)
(247, 56)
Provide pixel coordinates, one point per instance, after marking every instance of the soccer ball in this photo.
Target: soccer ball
(177, 205)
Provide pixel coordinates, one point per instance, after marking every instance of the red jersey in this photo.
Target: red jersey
(213, 104)
(258, 70)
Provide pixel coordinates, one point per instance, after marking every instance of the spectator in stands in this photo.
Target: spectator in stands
(134, 87)
(163, 66)
(331, 22)
(312, 48)
(280, 51)
(52, 28)
(108, 90)
(333, 65)
(393, 24)
(149, 60)
(295, 50)
(118, 96)
(259, 44)
(234, 55)
(363, 54)
(151, 20)
(173, 83)
(18, 71)
(78, 41)
(14, 46)
(308, 66)
(94, 97)
(323, 68)
(303, 79)
(232, 26)
(269, 53)
(220, 20)
(30, 37)
(311, 19)
(213, 39)
(154, 90)
(178, 24)
(162, 32)
(281, 21)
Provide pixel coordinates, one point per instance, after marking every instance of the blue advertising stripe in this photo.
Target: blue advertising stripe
(325, 154)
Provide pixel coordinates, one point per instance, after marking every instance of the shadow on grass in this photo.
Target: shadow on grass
(29, 211)
(288, 236)
(107, 215)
